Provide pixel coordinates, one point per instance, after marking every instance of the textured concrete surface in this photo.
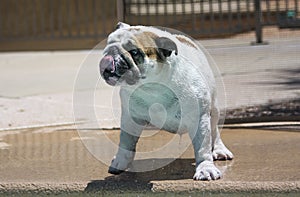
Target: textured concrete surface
(57, 159)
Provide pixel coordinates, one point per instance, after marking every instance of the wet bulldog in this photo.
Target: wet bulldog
(154, 66)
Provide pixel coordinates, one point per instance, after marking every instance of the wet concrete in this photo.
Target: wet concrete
(54, 155)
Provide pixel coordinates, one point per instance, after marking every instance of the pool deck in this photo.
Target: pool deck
(56, 160)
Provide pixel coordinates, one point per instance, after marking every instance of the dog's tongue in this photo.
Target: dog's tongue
(107, 63)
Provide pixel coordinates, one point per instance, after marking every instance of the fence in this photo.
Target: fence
(210, 18)
(55, 24)
(51, 19)
(59, 24)
(195, 17)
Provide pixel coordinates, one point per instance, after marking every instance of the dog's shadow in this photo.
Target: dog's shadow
(176, 170)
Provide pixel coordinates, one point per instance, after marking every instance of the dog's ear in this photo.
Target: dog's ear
(122, 25)
(165, 47)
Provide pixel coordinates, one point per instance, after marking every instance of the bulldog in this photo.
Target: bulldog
(154, 66)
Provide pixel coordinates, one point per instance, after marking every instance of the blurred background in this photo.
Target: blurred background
(79, 24)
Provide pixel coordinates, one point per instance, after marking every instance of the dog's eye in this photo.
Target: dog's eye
(137, 56)
(134, 52)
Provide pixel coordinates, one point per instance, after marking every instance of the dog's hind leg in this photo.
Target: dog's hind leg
(201, 139)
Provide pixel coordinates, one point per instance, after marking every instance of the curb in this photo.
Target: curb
(176, 186)
(261, 125)
(41, 188)
(226, 187)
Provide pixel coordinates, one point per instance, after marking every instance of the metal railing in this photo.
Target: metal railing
(207, 18)
(284, 14)
(80, 20)
(195, 17)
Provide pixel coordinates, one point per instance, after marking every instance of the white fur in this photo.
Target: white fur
(186, 77)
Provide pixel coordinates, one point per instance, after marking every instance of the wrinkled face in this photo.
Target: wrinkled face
(123, 60)
(128, 53)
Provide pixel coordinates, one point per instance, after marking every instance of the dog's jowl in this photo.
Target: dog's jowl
(153, 66)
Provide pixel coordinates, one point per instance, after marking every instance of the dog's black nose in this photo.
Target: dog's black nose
(107, 66)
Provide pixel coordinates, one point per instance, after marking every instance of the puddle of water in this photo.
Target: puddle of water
(61, 156)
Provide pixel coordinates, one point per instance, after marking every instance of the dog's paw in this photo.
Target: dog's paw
(114, 171)
(117, 165)
(121, 162)
(222, 153)
(207, 171)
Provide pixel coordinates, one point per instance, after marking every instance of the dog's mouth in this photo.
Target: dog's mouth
(115, 68)
(108, 70)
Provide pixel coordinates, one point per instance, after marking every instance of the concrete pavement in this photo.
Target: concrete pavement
(265, 161)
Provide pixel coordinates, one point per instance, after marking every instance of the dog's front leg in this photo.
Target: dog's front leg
(130, 133)
(201, 139)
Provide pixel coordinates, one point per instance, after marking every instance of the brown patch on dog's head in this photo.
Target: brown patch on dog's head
(150, 34)
(156, 47)
(186, 41)
(133, 29)
(153, 46)
(146, 41)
